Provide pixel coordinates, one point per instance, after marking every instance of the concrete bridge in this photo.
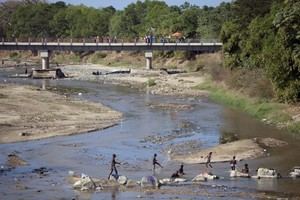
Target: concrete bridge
(46, 47)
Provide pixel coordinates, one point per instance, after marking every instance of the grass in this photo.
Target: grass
(294, 128)
(260, 109)
(67, 58)
(151, 82)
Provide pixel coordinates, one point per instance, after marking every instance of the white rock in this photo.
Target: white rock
(235, 173)
(84, 188)
(179, 180)
(149, 181)
(295, 173)
(199, 178)
(85, 183)
(266, 173)
(71, 173)
(164, 181)
(205, 177)
(77, 184)
(122, 180)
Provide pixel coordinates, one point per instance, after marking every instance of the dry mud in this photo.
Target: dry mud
(242, 149)
(28, 113)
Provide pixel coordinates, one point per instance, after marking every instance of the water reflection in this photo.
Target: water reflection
(267, 184)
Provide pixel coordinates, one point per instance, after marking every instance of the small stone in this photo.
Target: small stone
(24, 134)
(71, 173)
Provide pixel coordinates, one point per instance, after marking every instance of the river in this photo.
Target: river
(90, 153)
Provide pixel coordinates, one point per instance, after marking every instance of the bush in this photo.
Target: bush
(97, 57)
(217, 72)
(250, 82)
(151, 82)
(14, 55)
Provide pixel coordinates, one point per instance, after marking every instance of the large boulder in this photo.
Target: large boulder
(199, 178)
(267, 173)
(149, 181)
(84, 183)
(179, 180)
(122, 180)
(235, 173)
(295, 173)
(166, 181)
(204, 177)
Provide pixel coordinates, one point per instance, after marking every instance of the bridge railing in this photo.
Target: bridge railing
(102, 40)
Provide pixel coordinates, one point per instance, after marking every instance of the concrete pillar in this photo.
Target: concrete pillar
(148, 56)
(45, 59)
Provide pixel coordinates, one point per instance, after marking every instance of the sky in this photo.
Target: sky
(120, 4)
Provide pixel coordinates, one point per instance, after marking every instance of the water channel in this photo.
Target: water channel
(90, 153)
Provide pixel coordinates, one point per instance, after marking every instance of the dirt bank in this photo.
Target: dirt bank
(155, 81)
(242, 149)
(28, 113)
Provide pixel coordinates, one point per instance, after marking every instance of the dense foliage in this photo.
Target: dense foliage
(265, 34)
(258, 35)
(29, 18)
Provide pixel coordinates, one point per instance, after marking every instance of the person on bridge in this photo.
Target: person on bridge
(113, 166)
(155, 162)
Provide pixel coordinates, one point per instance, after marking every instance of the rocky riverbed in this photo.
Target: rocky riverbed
(154, 81)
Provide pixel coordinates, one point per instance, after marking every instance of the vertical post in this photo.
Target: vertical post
(45, 59)
(148, 56)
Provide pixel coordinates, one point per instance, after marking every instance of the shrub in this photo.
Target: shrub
(151, 82)
(14, 55)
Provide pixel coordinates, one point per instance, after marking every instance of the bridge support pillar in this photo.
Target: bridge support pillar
(148, 56)
(45, 59)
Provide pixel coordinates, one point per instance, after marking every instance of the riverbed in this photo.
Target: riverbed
(90, 153)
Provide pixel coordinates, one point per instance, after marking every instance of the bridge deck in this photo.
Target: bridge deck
(69, 46)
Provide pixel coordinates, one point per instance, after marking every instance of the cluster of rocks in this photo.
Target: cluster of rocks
(295, 173)
(171, 106)
(160, 139)
(266, 173)
(166, 89)
(87, 183)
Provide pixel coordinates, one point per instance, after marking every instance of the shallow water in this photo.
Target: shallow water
(90, 153)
